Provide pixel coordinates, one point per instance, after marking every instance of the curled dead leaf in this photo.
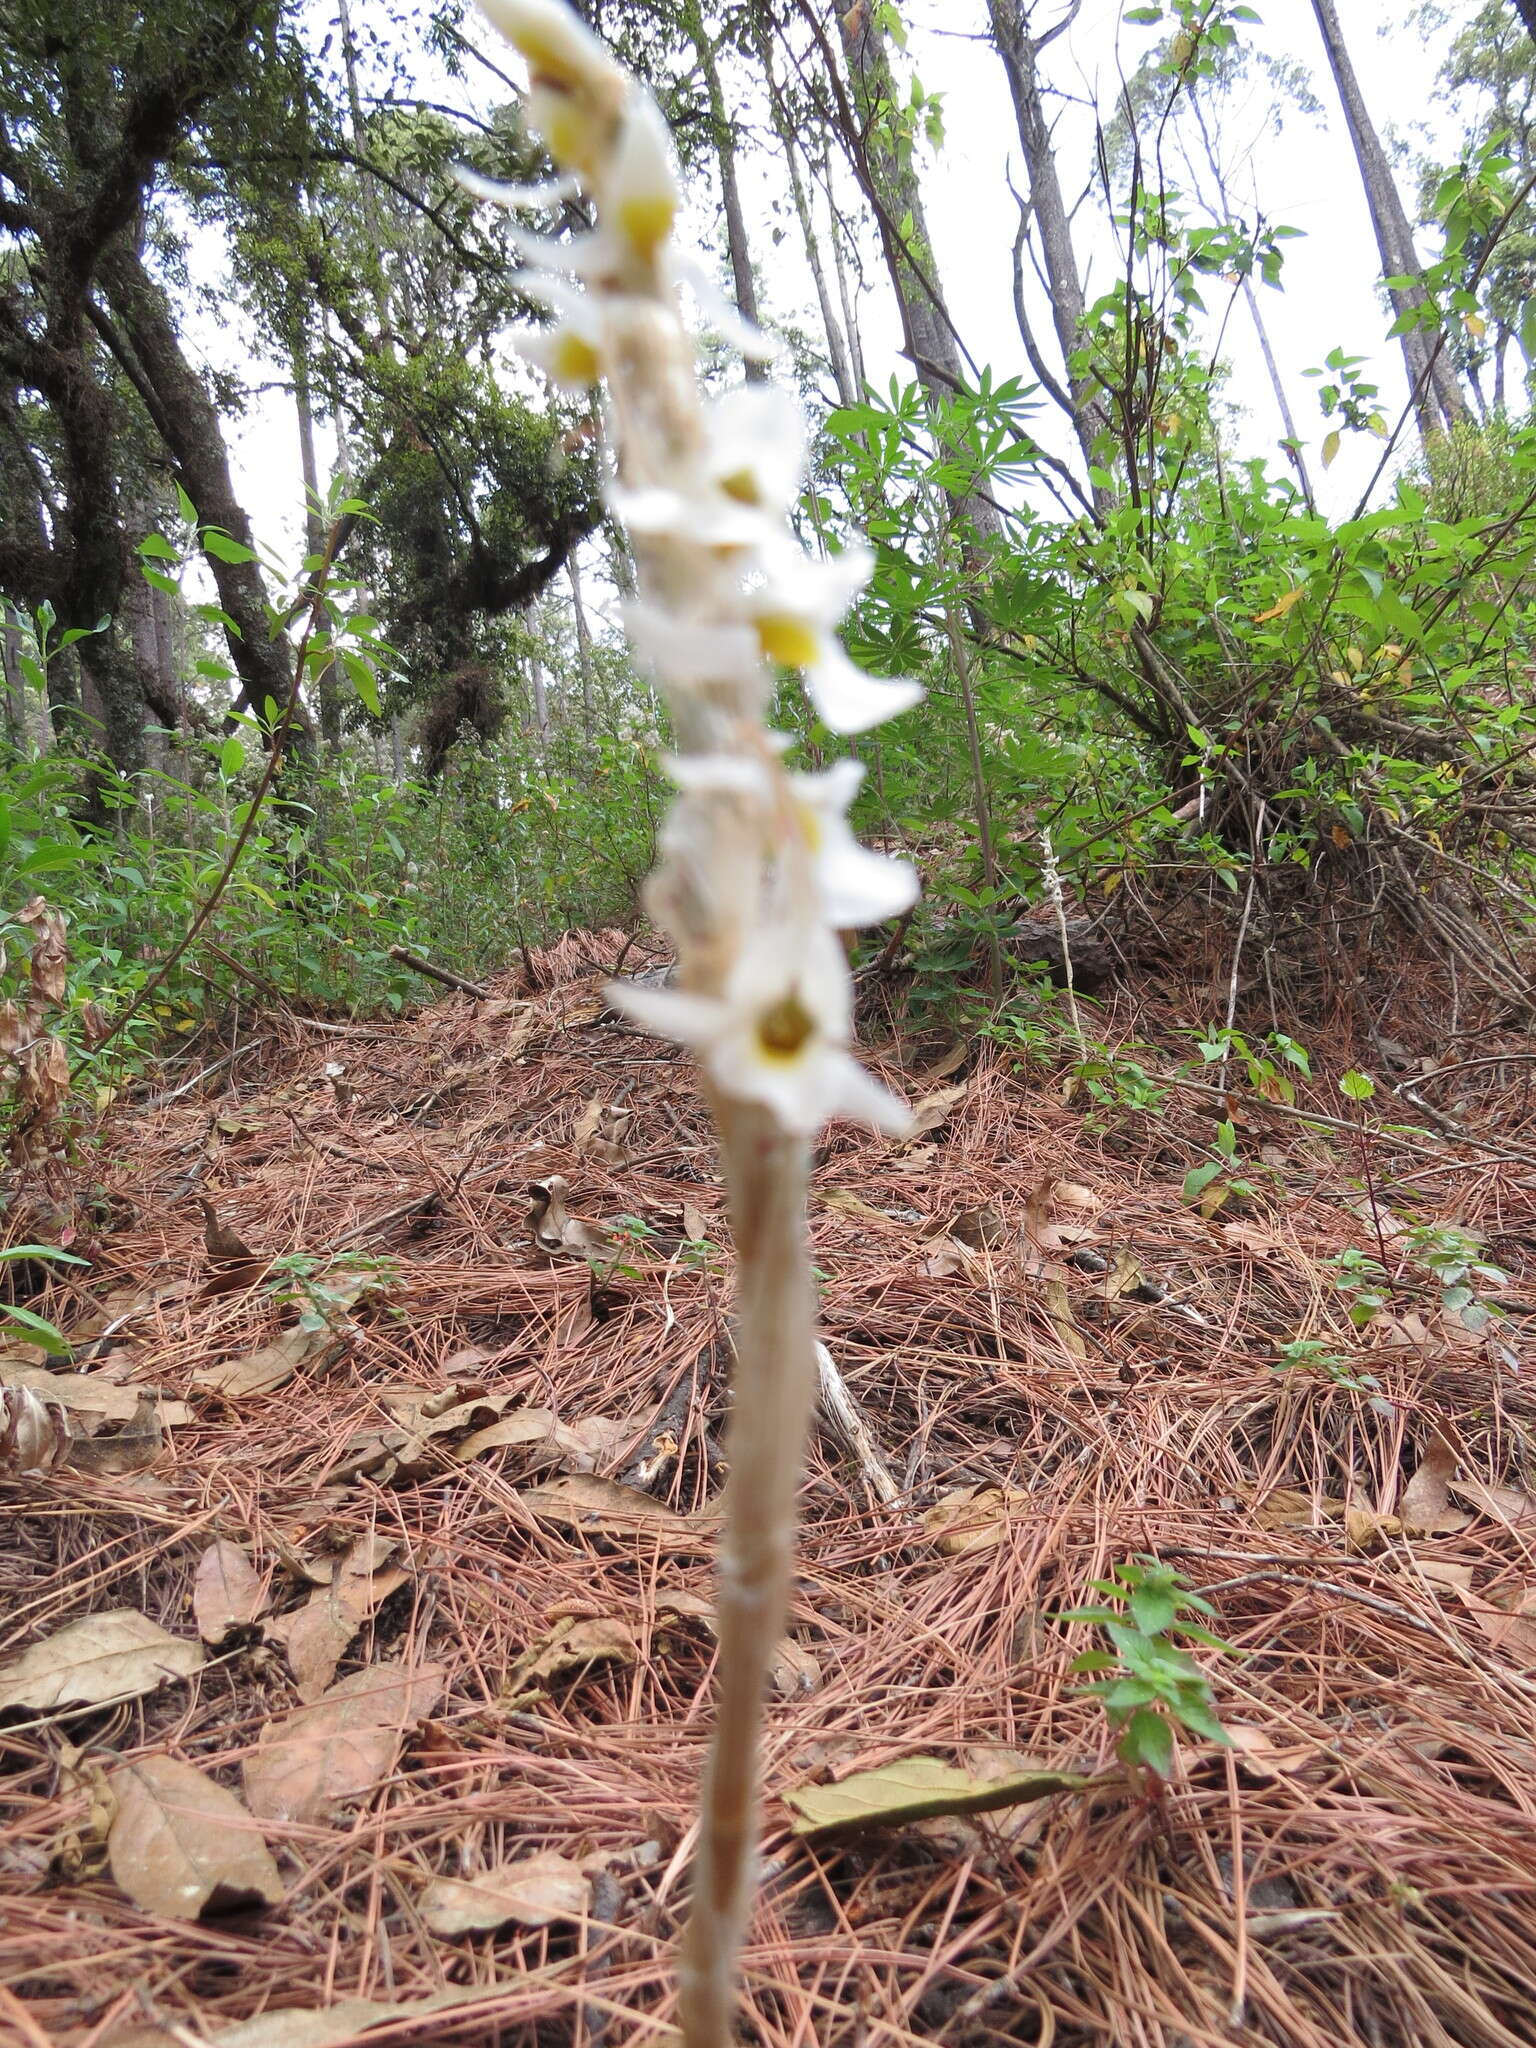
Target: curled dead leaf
(1424, 1507)
(34, 1433)
(574, 1645)
(531, 1892)
(555, 1230)
(602, 1507)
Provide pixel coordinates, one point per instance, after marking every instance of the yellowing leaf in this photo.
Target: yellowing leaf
(180, 1845)
(111, 1656)
(1330, 447)
(916, 1788)
(532, 1891)
(1281, 605)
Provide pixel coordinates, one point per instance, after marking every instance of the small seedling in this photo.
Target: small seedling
(1153, 1689)
(25, 1322)
(1310, 1354)
(1209, 1184)
(325, 1291)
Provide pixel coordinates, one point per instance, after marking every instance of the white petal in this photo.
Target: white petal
(832, 790)
(792, 1089)
(669, 1012)
(850, 701)
(759, 428)
(689, 655)
(707, 517)
(710, 772)
(860, 887)
(809, 964)
(720, 317)
(516, 198)
(853, 1093)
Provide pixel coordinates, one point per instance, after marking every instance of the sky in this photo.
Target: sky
(1303, 170)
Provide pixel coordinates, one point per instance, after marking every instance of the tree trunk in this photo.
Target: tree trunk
(1048, 215)
(1526, 9)
(783, 128)
(188, 423)
(328, 683)
(928, 332)
(738, 248)
(1436, 395)
(583, 641)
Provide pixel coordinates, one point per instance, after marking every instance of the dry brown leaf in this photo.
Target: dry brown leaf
(602, 1507)
(930, 1112)
(1511, 1505)
(532, 1892)
(971, 1518)
(527, 1426)
(915, 1788)
(950, 1260)
(1283, 1508)
(1124, 1277)
(34, 1433)
(180, 1845)
(1511, 1632)
(842, 1203)
(227, 1591)
(82, 1393)
(264, 1371)
(1424, 1506)
(116, 1655)
(554, 1229)
(130, 1447)
(1252, 1238)
(316, 1636)
(339, 1747)
(574, 1645)
(1441, 1572)
(1262, 1755)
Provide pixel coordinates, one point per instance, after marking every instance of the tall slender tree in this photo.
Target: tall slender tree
(1437, 397)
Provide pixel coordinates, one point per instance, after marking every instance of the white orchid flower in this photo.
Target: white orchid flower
(576, 89)
(757, 447)
(856, 887)
(779, 1034)
(797, 609)
(688, 655)
(573, 352)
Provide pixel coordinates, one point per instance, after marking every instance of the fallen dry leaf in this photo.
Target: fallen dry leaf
(929, 1112)
(843, 1203)
(264, 1371)
(227, 1591)
(1511, 1505)
(1364, 1528)
(574, 1645)
(1262, 1755)
(916, 1788)
(180, 1845)
(970, 1518)
(602, 1507)
(532, 1891)
(1283, 1508)
(982, 1230)
(1424, 1506)
(602, 1133)
(34, 1433)
(1058, 1306)
(578, 1445)
(339, 1747)
(116, 1655)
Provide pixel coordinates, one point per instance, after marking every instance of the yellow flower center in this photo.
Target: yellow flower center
(742, 485)
(809, 822)
(786, 639)
(575, 360)
(784, 1028)
(646, 220)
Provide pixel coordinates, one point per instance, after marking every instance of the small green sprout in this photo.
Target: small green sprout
(1154, 1689)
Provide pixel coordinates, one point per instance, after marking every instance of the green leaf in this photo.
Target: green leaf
(219, 544)
(1148, 1741)
(1357, 1086)
(39, 1331)
(1331, 447)
(917, 1788)
(231, 758)
(364, 681)
(42, 1251)
(157, 545)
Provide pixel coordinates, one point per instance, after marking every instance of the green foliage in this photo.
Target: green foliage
(1153, 1689)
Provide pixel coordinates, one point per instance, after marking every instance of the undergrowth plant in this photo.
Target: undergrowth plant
(1152, 1689)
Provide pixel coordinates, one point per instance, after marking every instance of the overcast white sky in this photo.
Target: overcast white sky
(1302, 170)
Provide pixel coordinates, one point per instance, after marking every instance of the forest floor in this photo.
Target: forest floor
(424, 1587)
